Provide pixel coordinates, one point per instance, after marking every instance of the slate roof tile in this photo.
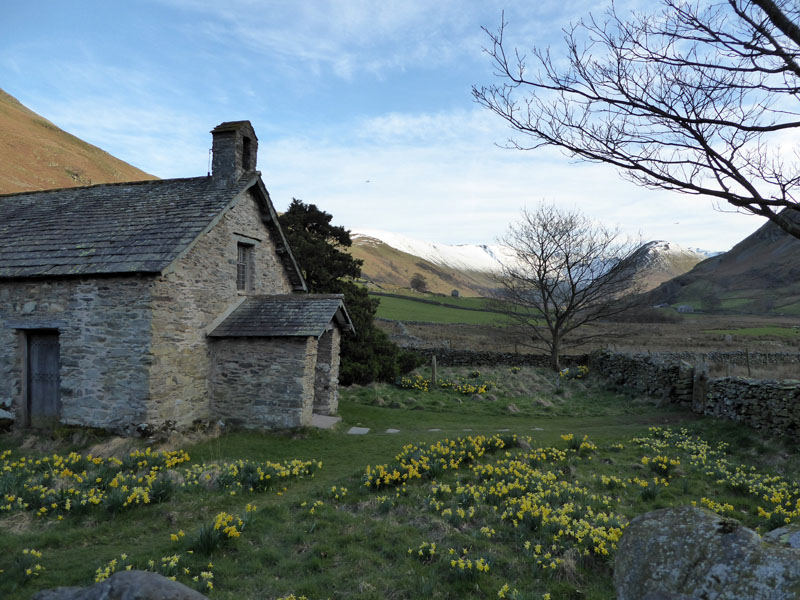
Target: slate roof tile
(284, 315)
(109, 228)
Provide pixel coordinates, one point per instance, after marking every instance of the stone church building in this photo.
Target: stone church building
(161, 303)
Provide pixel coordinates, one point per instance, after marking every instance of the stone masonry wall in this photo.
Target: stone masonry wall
(772, 406)
(263, 382)
(468, 358)
(326, 382)
(104, 337)
(186, 300)
(655, 375)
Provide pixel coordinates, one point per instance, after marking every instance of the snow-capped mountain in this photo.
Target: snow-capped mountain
(668, 252)
(391, 260)
(660, 261)
(467, 257)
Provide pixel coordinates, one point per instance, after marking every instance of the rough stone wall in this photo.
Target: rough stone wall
(263, 383)
(655, 375)
(469, 358)
(104, 339)
(763, 404)
(326, 382)
(735, 357)
(200, 287)
(773, 406)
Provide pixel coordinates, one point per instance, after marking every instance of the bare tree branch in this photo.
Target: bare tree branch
(569, 272)
(694, 98)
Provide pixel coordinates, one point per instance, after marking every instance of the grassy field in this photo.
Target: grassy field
(409, 309)
(767, 331)
(470, 498)
(459, 302)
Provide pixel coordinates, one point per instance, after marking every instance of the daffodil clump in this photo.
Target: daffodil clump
(414, 382)
(26, 566)
(177, 567)
(661, 465)
(562, 509)
(247, 475)
(425, 552)
(474, 384)
(578, 372)
(777, 500)
(464, 566)
(414, 462)
(466, 387)
(61, 485)
(538, 509)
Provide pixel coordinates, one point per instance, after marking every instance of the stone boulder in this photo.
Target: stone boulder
(125, 585)
(6, 419)
(687, 552)
(789, 535)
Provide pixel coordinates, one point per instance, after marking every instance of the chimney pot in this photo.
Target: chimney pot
(234, 151)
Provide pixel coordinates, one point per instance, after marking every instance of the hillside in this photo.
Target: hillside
(389, 268)
(660, 261)
(391, 260)
(36, 155)
(759, 274)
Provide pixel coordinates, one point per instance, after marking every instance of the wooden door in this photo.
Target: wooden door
(44, 404)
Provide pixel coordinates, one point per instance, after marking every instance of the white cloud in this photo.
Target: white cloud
(345, 38)
(431, 171)
(439, 178)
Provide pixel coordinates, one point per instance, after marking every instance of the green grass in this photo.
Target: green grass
(789, 309)
(735, 303)
(467, 302)
(407, 309)
(304, 540)
(767, 331)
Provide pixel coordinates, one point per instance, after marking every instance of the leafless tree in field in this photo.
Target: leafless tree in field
(695, 97)
(569, 273)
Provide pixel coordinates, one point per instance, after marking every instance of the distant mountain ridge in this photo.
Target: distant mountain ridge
(37, 155)
(660, 261)
(391, 260)
(445, 268)
(468, 257)
(759, 274)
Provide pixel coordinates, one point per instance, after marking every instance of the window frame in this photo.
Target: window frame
(245, 267)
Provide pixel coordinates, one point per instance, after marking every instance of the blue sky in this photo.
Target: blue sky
(363, 108)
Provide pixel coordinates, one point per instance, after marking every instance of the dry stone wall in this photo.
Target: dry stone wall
(467, 358)
(769, 405)
(654, 375)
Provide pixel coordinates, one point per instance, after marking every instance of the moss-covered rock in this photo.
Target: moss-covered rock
(694, 552)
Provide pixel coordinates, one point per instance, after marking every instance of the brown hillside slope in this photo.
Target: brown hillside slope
(391, 269)
(37, 155)
(766, 264)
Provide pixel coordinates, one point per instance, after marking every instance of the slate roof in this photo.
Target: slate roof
(285, 315)
(137, 227)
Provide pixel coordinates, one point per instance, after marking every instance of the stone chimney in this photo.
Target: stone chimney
(234, 151)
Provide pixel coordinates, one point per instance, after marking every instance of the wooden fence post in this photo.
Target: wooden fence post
(433, 370)
(747, 361)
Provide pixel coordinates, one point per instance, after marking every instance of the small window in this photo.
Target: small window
(244, 267)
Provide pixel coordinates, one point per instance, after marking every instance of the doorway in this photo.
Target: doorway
(43, 402)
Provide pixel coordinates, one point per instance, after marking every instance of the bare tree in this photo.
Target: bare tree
(569, 273)
(418, 283)
(694, 98)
